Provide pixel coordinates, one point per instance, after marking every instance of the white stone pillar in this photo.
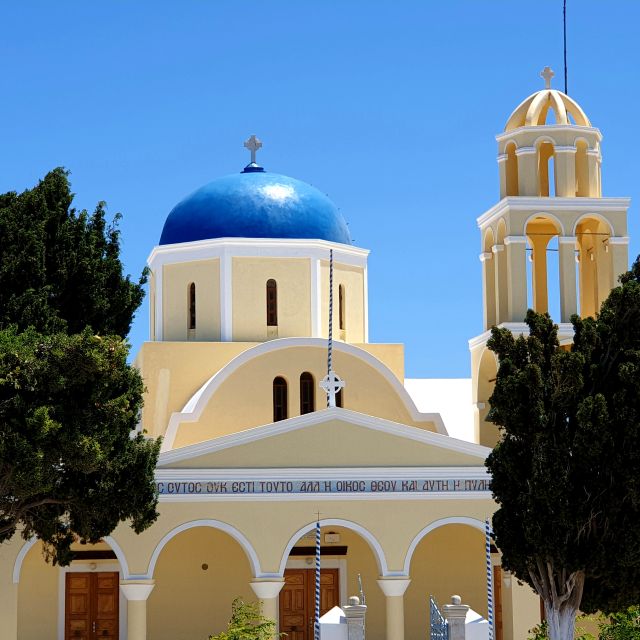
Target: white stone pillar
(567, 264)
(565, 160)
(516, 277)
(619, 247)
(136, 592)
(527, 171)
(393, 589)
(267, 592)
(355, 614)
(455, 615)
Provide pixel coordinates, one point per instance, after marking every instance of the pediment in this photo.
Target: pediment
(331, 438)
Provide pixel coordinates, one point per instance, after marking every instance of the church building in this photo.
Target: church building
(274, 417)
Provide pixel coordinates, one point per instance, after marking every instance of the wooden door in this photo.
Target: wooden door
(497, 601)
(91, 605)
(297, 600)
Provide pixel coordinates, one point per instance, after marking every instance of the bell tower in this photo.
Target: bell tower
(551, 219)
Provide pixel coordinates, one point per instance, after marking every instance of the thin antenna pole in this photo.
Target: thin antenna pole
(330, 345)
(564, 22)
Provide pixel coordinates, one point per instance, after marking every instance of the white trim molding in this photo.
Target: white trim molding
(554, 128)
(515, 240)
(372, 541)
(525, 151)
(237, 535)
(115, 547)
(173, 456)
(192, 411)
(256, 247)
(553, 204)
(394, 587)
(620, 240)
(464, 520)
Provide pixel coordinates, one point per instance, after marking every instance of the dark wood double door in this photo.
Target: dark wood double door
(297, 600)
(91, 605)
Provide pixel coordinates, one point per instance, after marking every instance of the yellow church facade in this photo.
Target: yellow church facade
(242, 284)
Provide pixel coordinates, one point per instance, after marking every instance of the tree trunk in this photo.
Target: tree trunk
(561, 592)
(561, 622)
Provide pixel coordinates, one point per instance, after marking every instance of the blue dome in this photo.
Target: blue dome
(255, 204)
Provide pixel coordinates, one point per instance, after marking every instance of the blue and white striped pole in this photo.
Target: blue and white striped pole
(317, 612)
(487, 531)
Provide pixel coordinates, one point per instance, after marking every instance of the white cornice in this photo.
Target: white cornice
(618, 240)
(565, 329)
(318, 417)
(255, 247)
(540, 129)
(553, 204)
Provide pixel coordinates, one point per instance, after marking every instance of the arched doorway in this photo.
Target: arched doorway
(347, 560)
(82, 598)
(450, 559)
(198, 573)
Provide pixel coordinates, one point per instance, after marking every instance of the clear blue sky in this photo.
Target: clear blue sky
(390, 108)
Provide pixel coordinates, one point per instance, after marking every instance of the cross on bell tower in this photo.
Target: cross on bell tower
(547, 73)
(253, 144)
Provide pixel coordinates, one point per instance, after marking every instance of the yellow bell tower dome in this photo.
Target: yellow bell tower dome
(551, 219)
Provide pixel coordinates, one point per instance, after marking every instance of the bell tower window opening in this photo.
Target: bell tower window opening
(191, 321)
(280, 399)
(272, 303)
(342, 303)
(307, 393)
(582, 169)
(512, 170)
(546, 170)
(339, 399)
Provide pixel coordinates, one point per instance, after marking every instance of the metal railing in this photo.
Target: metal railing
(438, 627)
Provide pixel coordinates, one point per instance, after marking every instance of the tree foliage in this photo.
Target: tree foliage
(60, 269)
(565, 473)
(71, 465)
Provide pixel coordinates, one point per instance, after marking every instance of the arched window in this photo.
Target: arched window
(192, 306)
(307, 393)
(342, 308)
(339, 399)
(272, 303)
(280, 399)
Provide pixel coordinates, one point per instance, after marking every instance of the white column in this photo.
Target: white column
(567, 263)
(226, 298)
(267, 592)
(316, 299)
(393, 589)
(158, 311)
(517, 277)
(136, 592)
(619, 247)
(455, 614)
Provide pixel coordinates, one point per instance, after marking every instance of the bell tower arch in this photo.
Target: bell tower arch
(558, 245)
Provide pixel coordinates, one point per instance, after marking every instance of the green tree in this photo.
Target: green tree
(69, 402)
(565, 472)
(60, 269)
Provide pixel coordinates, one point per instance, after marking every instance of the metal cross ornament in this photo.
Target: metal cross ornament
(253, 144)
(332, 384)
(547, 74)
